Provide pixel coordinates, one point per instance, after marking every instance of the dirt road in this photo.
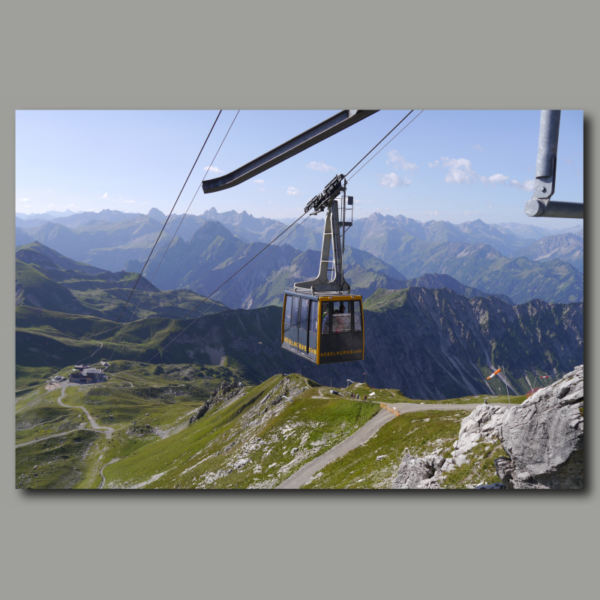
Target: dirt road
(107, 431)
(48, 437)
(366, 432)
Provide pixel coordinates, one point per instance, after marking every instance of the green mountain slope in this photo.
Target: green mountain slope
(34, 288)
(427, 343)
(255, 439)
(81, 289)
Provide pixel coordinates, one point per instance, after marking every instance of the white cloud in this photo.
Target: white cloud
(24, 200)
(292, 191)
(399, 162)
(128, 201)
(213, 170)
(259, 181)
(72, 207)
(494, 179)
(392, 180)
(478, 147)
(526, 186)
(459, 170)
(105, 195)
(319, 166)
(434, 164)
(261, 189)
(50, 205)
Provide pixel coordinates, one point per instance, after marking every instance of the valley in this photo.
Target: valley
(199, 393)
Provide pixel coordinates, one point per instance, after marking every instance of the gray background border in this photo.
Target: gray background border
(302, 55)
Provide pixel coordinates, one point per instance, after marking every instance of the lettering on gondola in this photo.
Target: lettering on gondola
(295, 344)
(341, 352)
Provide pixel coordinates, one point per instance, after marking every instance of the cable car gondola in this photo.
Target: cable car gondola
(323, 329)
(322, 321)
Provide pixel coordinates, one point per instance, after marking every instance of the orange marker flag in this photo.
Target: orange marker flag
(494, 373)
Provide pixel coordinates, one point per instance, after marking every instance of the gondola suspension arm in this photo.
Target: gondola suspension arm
(310, 137)
(545, 174)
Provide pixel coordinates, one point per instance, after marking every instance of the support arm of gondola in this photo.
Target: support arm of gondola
(316, 134)
(545, 174)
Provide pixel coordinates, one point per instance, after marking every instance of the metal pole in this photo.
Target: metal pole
(506, 384)
(559, 210)
(545, 174)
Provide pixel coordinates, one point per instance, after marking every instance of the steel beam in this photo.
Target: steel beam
(545, 174)
(560, 210)
(301, 142)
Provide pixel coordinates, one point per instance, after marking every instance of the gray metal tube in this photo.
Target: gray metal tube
(545, 174)
(312, 136)
(548, 143)
(559, 210)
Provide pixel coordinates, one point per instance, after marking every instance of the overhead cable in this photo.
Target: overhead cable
(165, 223)
(178, 226)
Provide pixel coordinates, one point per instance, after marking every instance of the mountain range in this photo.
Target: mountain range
(467, 252)
(429, 343)
(45, 279)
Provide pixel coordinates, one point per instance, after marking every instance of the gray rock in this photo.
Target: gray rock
(201, 412)
(419, 472)
(544, 438)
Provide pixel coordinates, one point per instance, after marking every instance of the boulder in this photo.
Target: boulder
(419, 472)
(543, 438)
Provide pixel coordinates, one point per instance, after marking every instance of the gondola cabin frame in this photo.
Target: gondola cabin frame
(332, 336)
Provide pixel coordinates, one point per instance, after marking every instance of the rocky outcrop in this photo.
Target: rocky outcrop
(544, 438)
(482, 425)
(420, 473)
(224, 393)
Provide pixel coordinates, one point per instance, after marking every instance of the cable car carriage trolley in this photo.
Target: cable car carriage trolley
(322, 321)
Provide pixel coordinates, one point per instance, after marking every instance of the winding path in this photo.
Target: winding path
(48, 437)
(107, 431)
(114, 460)
(358, 438)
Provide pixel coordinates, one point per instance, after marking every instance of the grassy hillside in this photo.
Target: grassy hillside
(34, 288)
(247, 436)
(48, 280)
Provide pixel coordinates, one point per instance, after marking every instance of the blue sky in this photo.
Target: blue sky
(448, 165)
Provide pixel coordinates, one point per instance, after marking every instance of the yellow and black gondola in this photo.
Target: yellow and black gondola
(323, 329)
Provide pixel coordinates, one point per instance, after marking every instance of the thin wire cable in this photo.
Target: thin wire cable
(305, 215)
(165, 224)
(215, 291)
(379, 142)
(176, 231)
(261, 251)
(381, 149)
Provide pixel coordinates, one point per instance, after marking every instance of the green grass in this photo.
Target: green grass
(60, 461)
(195, 456)
(360, 469)
(478, 469)
(47, 419)
(149, 407)
(31, 377)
